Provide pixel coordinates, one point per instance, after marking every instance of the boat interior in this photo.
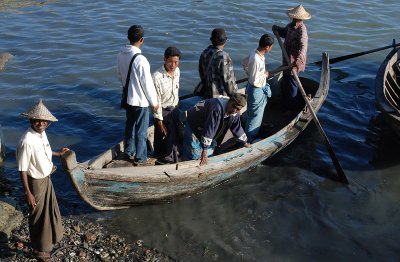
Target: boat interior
(276, 117)
(392, 82)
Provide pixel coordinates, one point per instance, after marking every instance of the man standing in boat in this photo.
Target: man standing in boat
(296, 44)
(141, 94)
(257, 88)
(207, 123)
(166, 81)
(216, 71)
(34, 159)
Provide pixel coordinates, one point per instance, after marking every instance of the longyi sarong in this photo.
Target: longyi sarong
(166, 148)
(45, 226)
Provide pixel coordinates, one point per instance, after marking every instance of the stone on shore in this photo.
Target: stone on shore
(83, 240)
(10, 217)
(4, 58)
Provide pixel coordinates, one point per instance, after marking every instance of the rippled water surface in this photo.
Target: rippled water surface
(284, 210)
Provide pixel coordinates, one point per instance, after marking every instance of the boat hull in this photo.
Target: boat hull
(387, 89)
(122, 187)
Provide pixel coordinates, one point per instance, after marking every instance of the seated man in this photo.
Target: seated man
(207, 123)
(166, 81)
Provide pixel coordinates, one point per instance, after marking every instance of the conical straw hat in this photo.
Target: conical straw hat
(298, 12)
(39, 111)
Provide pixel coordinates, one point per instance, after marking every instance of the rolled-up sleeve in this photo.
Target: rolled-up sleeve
(237, 129)
(157, 85)
(301, 60)
(146, 80)
(24, 154)
(228, 75)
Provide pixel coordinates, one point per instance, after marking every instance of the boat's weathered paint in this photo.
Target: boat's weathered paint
(387, 89)
(121, 187)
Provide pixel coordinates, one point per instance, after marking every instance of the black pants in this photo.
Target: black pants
(166, 148)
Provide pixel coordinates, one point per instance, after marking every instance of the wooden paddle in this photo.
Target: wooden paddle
(332, 154)
(346, 57)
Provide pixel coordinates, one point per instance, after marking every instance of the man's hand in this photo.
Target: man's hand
(204, 158)
(295, 67)
(275, 28)
(61, 152)
(155, 108)
(247, 145)
(162, 128)
(30, 199)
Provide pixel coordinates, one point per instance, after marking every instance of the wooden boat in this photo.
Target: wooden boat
(387, 89)
(107, 183)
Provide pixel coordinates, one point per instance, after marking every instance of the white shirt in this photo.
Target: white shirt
(254, 66)
(34, 154)
(167, 88)
(141, 90)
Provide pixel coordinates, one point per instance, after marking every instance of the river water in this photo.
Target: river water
(283, 210)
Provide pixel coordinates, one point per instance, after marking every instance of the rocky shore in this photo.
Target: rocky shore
(4, 58)
(83, 240)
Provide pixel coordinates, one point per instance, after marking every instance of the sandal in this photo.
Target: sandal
(41, 256)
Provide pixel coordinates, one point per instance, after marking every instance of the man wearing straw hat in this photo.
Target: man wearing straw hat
(34, 158)
(296, 43)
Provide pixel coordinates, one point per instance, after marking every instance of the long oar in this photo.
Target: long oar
(332, 154)
(272, 72)
(340, 58)
(345, 57)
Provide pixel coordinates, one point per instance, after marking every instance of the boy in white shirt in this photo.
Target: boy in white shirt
(257, 89)
(140, 95)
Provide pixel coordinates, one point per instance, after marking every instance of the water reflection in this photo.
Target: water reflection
(274, 214)
(386, 143)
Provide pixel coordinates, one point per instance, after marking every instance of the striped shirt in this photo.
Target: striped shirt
(216, 73)
(167, 88)
(296, 43)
